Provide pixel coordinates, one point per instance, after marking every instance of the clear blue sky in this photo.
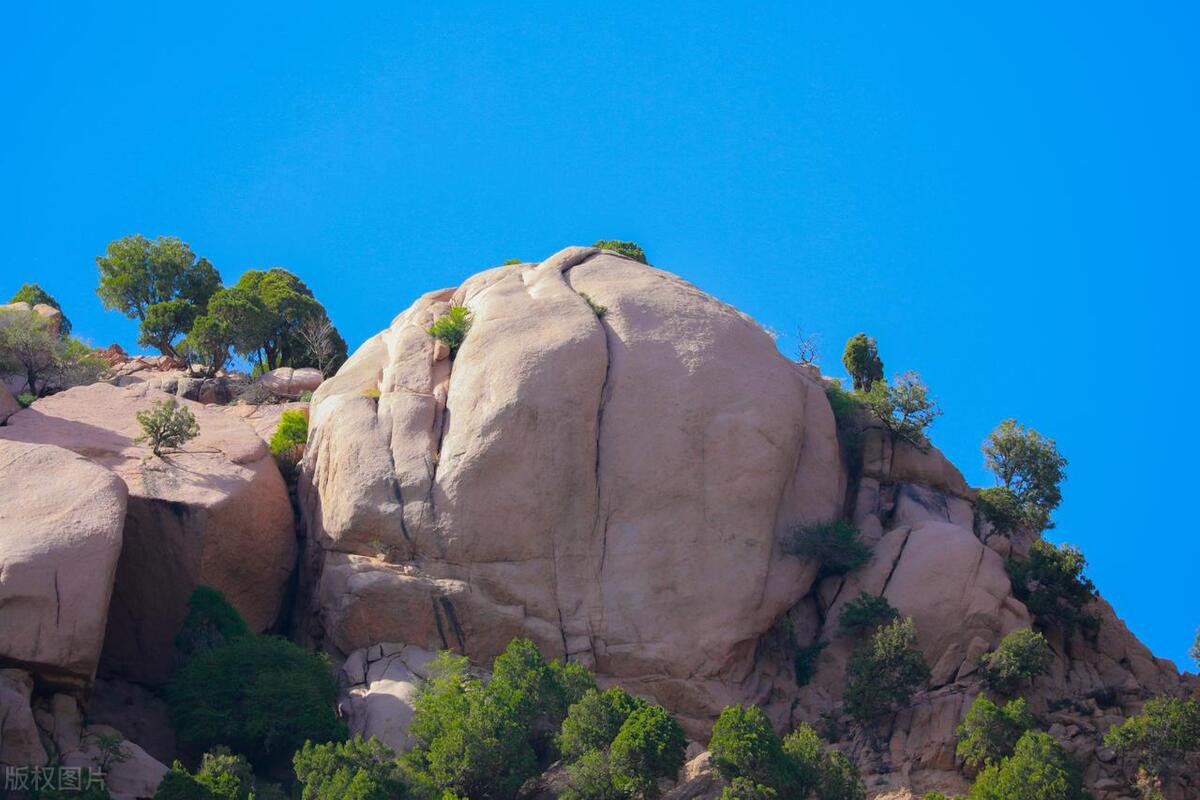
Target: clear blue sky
(1005, 196)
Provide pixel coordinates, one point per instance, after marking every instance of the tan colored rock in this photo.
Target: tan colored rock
(264, 419)
(136, 777)
(381, 683)
(50, 313)
(8, 404)
(60, 538)
(612, 488)
(20, 745)
(216, 513)
(288, 382)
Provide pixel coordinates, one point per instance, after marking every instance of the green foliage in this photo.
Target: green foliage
(748, 754)
(272, 318)
(990, 731)
(904, 407)
(451, 328)
(211, 622)
(595, 720)
(359, 769)
(208, 342)
(999, 506)
(1030, 466)
(631, 249)
(885, 672)
(834, 545)
(222, 776)
(1161, 737)
(1038, 769)
(508, 262)
(29, 347)
(649, 746)
(166, 424)
(179, 784)
(1052, 585)
(35, 295)
(590, 777)
(805, 662)
(865, 613)
(291, 433)
(845, 405)
(25, 399)
(159, 282)
(597, 309)
(260, 695)
(1021, 656)
(862, 362)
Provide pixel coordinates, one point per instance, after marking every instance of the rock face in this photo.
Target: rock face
(215, 513)
(288, 382)
(612, 487)
(8, 404)
(60, 538)
(379, 684)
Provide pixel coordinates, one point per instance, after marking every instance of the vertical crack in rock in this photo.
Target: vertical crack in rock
(895, 563)
(442, 605)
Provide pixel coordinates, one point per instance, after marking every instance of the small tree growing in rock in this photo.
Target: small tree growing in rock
(865, 613)
(1052, 585)
(990, 731)
(905, 407)
(1021, 656)
(1038, 769)
(166, 424)
(835, 545)
(649, 746)
(1161, 738)
(1028, 465)
(631, 249)
(862, 362)
(451, 328)
(885, 673)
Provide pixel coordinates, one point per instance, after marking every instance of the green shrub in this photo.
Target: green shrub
(1052, 586)
(291, 433)
(904, 407)
(746, 789)
(834, 545)
(1021, 656)
(25, 399)
(262, 696)
(596, 308)
(359, 769)
(508, 262)
(35, 295)
(816, 766)
(649, 746)
(1161, 737)
(211, 622)
(594, 721)
(1038, 769)
(222, 776)
(885, 672)
(179, 784)
(631, 249)
(166, 424)
(990, 731)
(744, 745)
(805, 662)
(862, 362)
(1028, 465)
(590, 777)
(865, 613)
(539, 689)
(451, 328)
(845, 405)
(999, 506)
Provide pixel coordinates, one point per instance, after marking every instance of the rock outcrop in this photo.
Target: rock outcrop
(60, 538)
(215, 513)
(612, 487)
(288, 382)
(8, 404)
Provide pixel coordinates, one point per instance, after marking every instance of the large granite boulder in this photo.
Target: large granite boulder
(8, 404)
(60, 538)
(613, 487)
(216, 512)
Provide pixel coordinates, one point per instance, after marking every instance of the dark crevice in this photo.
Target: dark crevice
(896, 562)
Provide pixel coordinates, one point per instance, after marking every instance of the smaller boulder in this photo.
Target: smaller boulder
(20, 745)
(288, 382)
(131, 775)
(8, 404)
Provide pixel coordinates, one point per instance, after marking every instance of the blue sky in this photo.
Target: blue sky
(1005, 196)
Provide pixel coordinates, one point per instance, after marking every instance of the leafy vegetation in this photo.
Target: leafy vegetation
(999, 506)
(222, 776)
(1038, 769)
(1052, 585)
(835, 545)
(1028, 465)
(649, 746)
(211, 622)
(904, 407)
(287, 443)
(29, 347)
(748, 754)
(631, 249)
(862, 362)
(451, 328)
(865, 613)
(1162, 737)
(596, 308)
(262, 696)
(166, 424)
(805, 662)
(34, 295)
(358, 769)
(1021, 656)
(990, 731)
(884, 673)
(595, 720)
(161, 283)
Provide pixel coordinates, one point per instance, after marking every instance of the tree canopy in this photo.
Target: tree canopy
(1029, 465)
(862, 362)
(35, 295)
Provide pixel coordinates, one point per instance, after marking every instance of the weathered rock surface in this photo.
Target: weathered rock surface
(379, 684)
(613, 488)
(20, 744)
(60, 538)
(214, 513)
(50, 313)
(134, 776)
(8, 404)
(264, 419)
(288, 382)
